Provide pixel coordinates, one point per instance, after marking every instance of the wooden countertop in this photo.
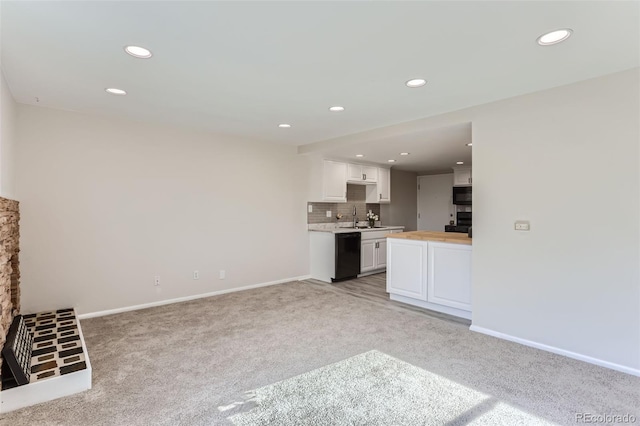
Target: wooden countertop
(444, 237)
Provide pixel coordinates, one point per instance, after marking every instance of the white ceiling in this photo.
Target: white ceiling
(241, 68)
(430, 151)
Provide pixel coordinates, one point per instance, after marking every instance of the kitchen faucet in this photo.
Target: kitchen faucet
(355, 219)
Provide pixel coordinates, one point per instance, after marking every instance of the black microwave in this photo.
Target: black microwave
(462, 195)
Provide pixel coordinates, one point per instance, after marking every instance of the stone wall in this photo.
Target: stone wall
(9, 265)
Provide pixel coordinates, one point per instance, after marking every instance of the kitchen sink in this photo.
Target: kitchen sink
(366, 227)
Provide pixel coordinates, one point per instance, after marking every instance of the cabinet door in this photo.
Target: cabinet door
(449, 280)
(407, 268)
(367, 256)
(370, 174)
(384, 185)
(381, 254)
(354, 172)
(335, 181)
(462, 177)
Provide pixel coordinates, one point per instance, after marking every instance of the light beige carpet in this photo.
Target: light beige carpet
(176, 364)
(374, 389)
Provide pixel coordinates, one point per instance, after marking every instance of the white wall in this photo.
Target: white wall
(435, 202)
(402, 211)
(107, 204)
(7, 140)
(566, 159)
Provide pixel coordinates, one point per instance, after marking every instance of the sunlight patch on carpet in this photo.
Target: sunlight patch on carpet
(373, 389)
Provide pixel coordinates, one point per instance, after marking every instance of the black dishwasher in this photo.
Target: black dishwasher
(347, 256)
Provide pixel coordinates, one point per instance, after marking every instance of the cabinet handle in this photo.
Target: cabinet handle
(365, 176)
(469, 180)
(381, 196)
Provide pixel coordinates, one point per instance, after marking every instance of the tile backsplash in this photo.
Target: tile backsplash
(356, 196)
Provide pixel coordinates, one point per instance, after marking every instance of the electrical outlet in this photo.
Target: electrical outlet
(156, 281)
(328, 213)
(196, 275)
(223, 274)
(310, 208)
(522, 225)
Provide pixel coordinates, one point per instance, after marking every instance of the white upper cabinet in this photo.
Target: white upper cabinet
(354, 173)
(358, 173)
(462, 176)
(384, 185)
(335, 181)
(381, 192)
(327, 180)
(370, 174)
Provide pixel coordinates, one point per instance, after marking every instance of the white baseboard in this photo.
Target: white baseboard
(553, 349)
(187, 298)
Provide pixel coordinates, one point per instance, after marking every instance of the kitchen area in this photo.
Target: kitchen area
(347, 238)
(415, 246)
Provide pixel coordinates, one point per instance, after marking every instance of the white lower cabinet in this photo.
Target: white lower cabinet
(449, 275)
(381, 254)
(373, 255)
(407, 268)
(373, 250)
(367, 256)
(429, 274)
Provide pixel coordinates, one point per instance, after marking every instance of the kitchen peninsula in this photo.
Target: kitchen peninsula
(431, 270)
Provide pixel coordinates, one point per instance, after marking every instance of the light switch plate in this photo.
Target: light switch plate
(310, 208)
(328, 213)
(522, 225)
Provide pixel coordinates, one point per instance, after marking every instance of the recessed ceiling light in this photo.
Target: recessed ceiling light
(284, 125)
(336, 109)
(404, 153)
(138, 52)
(554, 37)
(459, 162)
(416, 82)
(115, 91)
(469, 144)
(359, 155)
(391, 161)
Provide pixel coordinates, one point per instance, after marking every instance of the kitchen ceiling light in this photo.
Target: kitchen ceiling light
(336, 109)
(359, 155)
(554, 37)
(459, 162)
(416, 82)
(115, 91)
(138, 52)
(469, 144)
(391, 161)
(284, 126)
(404, 153)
